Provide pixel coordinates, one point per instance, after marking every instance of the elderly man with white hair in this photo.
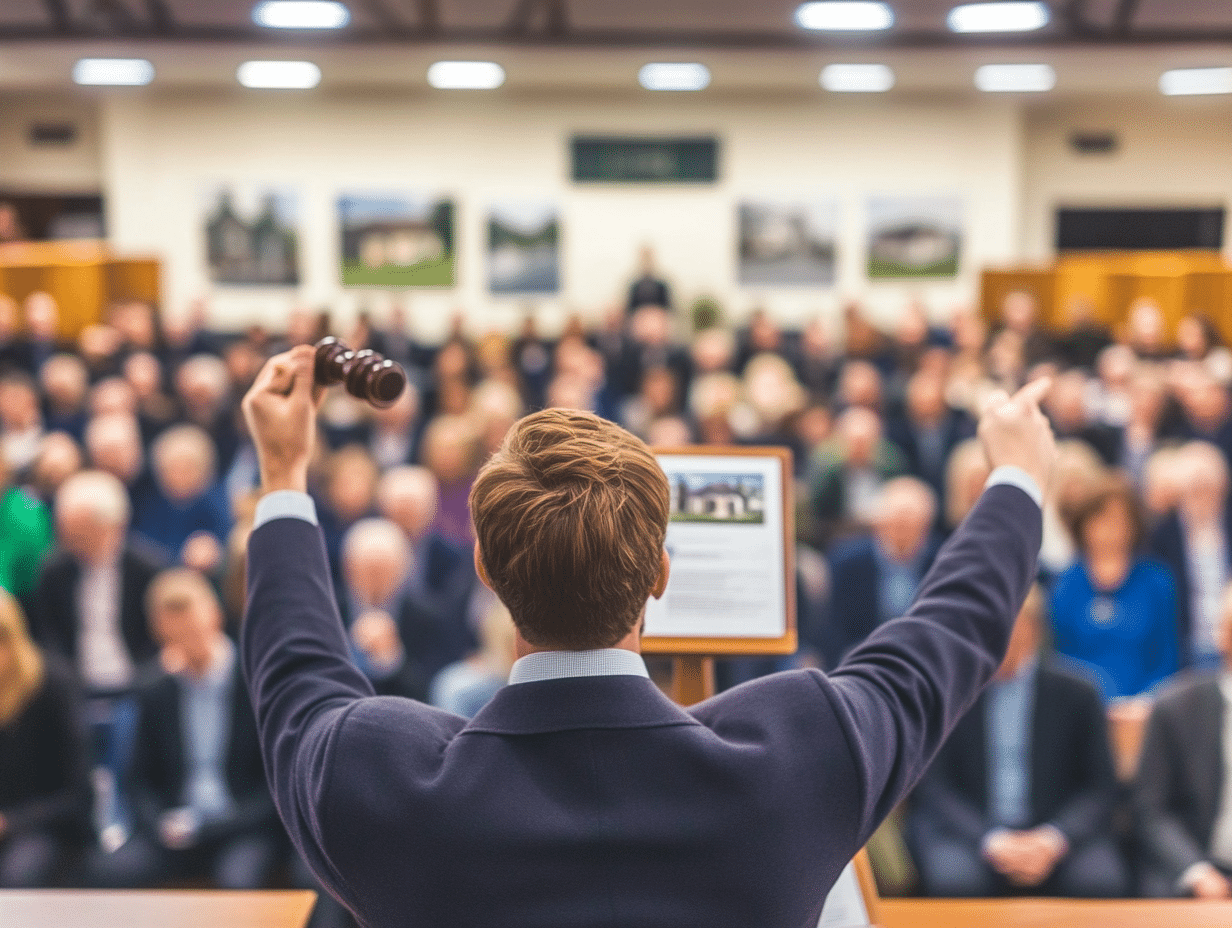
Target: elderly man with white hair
(874, 579)
(187, 515)
(375, 560)
(442, 600)
(1195, 541)
(89, 607)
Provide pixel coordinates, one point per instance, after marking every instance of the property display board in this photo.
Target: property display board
(731, 540)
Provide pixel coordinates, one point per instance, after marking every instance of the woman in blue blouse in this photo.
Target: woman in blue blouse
(1115, 612)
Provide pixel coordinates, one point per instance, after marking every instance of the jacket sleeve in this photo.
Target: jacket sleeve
(1164, 836)
(1088, 811)
(300, 677)
(901, 692)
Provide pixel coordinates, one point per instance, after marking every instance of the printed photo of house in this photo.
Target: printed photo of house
(914, 236)
(731, 498)
(396, 240)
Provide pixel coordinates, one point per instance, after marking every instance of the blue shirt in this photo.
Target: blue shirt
(1009, 712)
(1125, 638)
(897, 582)
(206, 721)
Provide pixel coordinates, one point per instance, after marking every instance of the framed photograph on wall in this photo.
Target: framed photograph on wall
(523, 247)
(914, 237)
(731, 540)
(787, 244)
(397, 240)
(252, 235)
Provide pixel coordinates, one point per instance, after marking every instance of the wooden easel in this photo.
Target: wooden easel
(692, 679)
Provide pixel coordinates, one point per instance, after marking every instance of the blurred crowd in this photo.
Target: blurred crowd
(1095, 765)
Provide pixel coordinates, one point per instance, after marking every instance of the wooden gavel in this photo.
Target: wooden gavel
(365, 374)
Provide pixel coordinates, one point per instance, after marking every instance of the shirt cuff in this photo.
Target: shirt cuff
(284, 504)
(1016, 477)
(1192, 874)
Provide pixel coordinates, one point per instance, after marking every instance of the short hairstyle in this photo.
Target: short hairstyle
(1113, 488)
(175, 588)
(570, 516)
(97, 492)
(381, 536)
(190, 438)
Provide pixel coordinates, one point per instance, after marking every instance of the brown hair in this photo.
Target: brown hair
(1113, 488)
(570, 516)
(26, 673)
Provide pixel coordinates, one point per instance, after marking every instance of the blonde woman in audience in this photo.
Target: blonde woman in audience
(1078, 470)
(965, 475)
(44, 772)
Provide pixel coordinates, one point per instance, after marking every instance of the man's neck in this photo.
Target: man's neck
(630, 642)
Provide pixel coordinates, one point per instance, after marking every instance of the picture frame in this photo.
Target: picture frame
(731, 536)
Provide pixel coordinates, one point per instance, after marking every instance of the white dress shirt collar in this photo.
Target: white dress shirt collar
(553, 665)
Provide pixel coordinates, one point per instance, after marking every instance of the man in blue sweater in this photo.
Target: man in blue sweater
(580, 796)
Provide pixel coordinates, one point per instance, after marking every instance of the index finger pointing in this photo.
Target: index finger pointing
(1031, 394)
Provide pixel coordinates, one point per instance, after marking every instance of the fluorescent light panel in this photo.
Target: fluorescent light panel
(679, 75)
(279, 75)
(113, 72)
(1015, 78)
(1183, 82)
(301, 14)
(845, 16)
(466, 75)
(857, 78)
(998, 17)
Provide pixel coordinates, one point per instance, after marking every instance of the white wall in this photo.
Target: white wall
(161, 151)
(1173, 152)
(75, 168)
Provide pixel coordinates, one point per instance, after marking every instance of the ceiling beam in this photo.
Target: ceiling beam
(622, 39)
(1123, 18)
(57, 12)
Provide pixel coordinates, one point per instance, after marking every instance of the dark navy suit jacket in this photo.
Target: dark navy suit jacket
(596, 802)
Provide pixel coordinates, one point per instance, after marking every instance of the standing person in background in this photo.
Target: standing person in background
(546, 806)
(44, 783)
(649, 289)
(1114, 611)
(1020, 799)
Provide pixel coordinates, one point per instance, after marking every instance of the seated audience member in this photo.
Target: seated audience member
(1020, 315)
(21, 421)
(155, 410)
(1077, 474)
(350, 494)
(59, 457)
(393, 437)
(1195, 541)
(89, 608)
(966, 473)
(1067, 410)
(1114, 611)
(1019, 799)
(44, 782)
(42, 336)
(186, 501)
(874, 579)
(464, 687)
(848, 471)
(203, 386)
(1185, 781)
(64, 381)
(928, 430)
(1144, 430)
(200, 801)
(451, 452)
(375, 562)
(859, 384)
(1206, 407)
(25, 537)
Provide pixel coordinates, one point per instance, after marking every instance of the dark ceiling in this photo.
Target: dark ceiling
(734, 24)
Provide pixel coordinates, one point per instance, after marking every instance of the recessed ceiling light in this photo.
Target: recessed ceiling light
(998, 17)
(113, 72)
(466, 75)
(1015, 78)
(301, 14)
(845, 16)
(1193, 81)
(279, 75)
(857, 78)
(681, 75)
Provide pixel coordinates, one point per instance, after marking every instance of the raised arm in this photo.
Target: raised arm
(295, 654)
(903, 690)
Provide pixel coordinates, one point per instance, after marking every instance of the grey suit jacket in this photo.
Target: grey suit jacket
(1180, 778)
